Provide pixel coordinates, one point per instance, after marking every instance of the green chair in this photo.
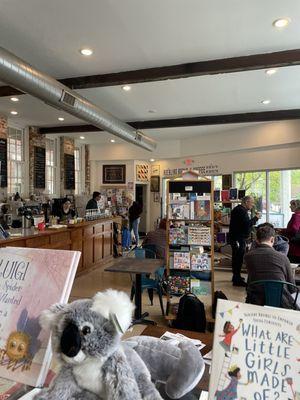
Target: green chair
(273, 291)
(149, 283)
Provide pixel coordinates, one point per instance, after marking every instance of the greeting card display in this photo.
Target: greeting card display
(178, 285)
(178, 235)
(256, 353)
(30, 281)
(199, 235)
(181, 260)
(200, 262)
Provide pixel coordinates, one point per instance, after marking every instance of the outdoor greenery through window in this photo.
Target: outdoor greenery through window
(272, 191)
(15, 160)
(50, 166)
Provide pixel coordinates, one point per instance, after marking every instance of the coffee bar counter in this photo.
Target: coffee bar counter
(93, 238)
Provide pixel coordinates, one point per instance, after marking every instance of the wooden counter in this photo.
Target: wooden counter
(93, 238)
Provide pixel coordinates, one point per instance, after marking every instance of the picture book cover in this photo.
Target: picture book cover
(179, 211)
(200, 261)
(256, 353)
(200, 288)
(233, 194)
(30, 281)
(217, 195)
(241, 193)
(178, 235)
(225, 195)
(181, 260)
(178, 285)
(200, 210)
(199, 235)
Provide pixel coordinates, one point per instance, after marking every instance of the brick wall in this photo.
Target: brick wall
(67, 146)
(3, 135)
(35, 139)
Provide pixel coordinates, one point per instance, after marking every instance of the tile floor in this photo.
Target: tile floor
(87, 285)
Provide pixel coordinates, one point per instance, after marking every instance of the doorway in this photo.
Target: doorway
(142, 198)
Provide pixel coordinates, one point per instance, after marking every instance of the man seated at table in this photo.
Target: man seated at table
(158, 238)
(265, 263)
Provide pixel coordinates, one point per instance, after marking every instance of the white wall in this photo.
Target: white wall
(261, 146)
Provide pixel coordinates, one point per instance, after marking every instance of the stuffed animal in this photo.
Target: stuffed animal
(96, 365)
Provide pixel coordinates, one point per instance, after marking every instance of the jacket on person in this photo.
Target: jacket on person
(292, 229)
(92, 205)
(281, 244)
(240, 223)
(265, 263)
(135, 210)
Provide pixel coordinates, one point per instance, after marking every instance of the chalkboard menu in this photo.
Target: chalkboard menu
(39, 167)
(69, 172)
(3, 161)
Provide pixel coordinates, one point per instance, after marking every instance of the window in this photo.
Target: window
(272, 191)
(50, 166)
(78, 175)
(15, 161)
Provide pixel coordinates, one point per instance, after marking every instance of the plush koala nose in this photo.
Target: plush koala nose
(70, 342)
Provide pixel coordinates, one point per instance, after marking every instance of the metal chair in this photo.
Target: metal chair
(273, 291)
(149, 283)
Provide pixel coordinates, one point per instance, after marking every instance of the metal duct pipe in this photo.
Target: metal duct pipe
(23, 76)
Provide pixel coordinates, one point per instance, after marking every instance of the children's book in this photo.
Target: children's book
(200, 210)
(178, 285)
(179, 211)
(256, 353)
(178, 235)
(31, 280)
(225, 195)
(233, 194)
(200, 262)
(241, 194)
(181, 260)
(217, 195)
(199, 235)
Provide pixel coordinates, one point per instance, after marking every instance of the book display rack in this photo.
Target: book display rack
(190, 238)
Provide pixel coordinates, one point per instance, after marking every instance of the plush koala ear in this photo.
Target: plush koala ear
(48, 317)
(115, 306)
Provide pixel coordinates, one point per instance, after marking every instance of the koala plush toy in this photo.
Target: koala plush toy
(97, 365)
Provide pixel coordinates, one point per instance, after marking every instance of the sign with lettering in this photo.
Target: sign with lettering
(69, 171)
(204, 170)
(3, 162)
(39, 167)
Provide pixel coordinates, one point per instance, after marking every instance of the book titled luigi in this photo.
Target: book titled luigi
(256, 353)
(31, 280)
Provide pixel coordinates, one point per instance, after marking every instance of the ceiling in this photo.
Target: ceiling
(134, 34)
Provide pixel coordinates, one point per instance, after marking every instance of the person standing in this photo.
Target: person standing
(134, 213)
(92, 204)
(292, 231)
(239, 230)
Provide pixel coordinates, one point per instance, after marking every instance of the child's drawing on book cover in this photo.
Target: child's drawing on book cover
(258, 356)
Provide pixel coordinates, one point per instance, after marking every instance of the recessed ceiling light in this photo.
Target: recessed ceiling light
(152, 160)
(61, 118)
(126, 88)
(271, 71)
(86, 52)
(266, 102)
(152, 111)
(82, 137)
(281, 22)
(14, 112)
(14, 99)
(112, 141)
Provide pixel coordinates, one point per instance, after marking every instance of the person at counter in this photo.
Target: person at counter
(66, 211)
(92, 204)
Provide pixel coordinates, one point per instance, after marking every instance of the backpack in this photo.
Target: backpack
(217, 295)
(191, 314)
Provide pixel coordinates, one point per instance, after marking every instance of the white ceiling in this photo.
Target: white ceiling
(132, 34)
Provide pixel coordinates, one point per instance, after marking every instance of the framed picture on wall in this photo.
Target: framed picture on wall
(155, 170)
(156, 197)
(114, 174)
(154, 183)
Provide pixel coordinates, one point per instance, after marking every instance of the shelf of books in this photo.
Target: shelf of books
(190, 238)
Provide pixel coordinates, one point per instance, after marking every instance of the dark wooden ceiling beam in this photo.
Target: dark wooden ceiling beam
(9, 91)
(263, 116)
(211, 67)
